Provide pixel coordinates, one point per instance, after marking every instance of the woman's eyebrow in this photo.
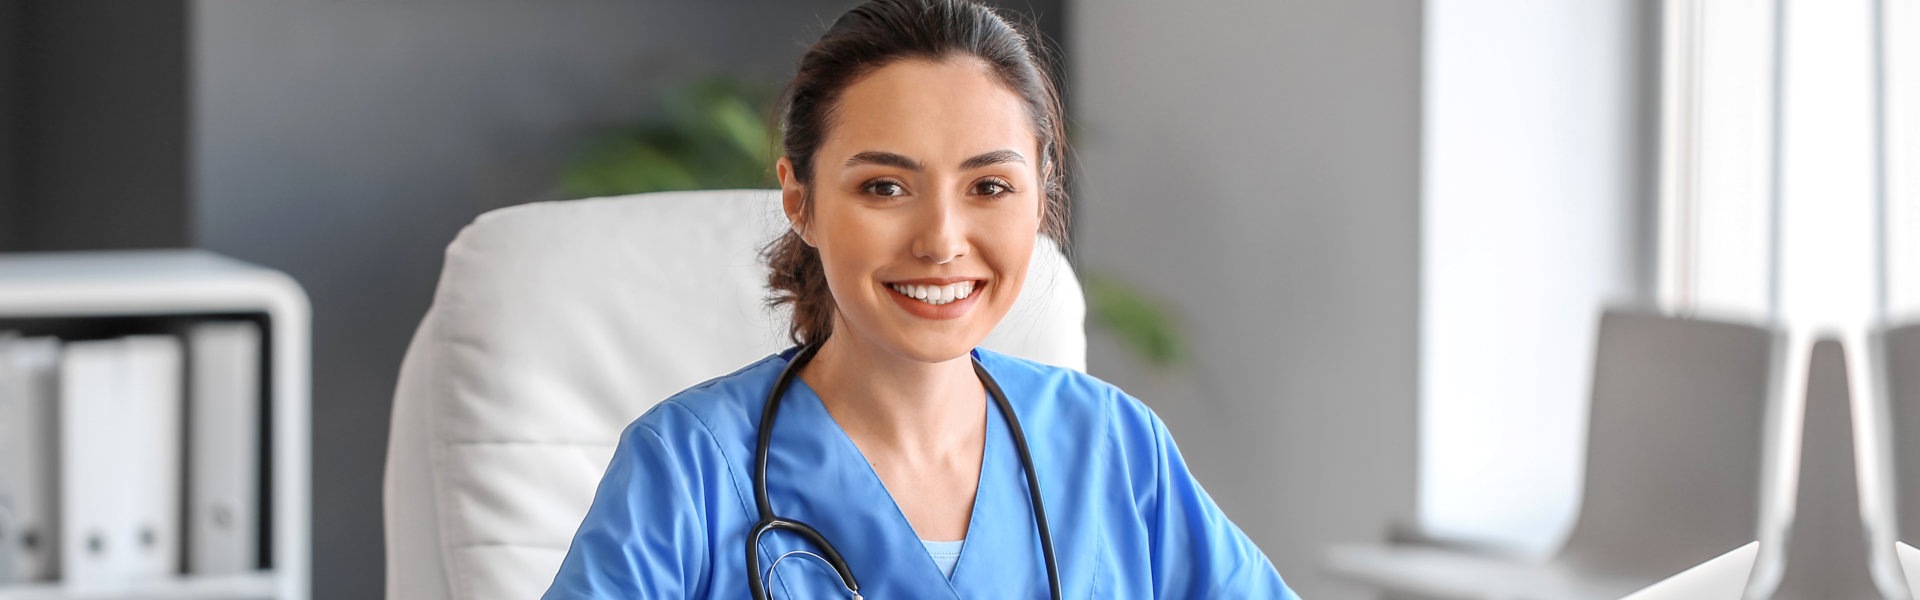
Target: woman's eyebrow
(890, 159)
(876, 157)
(995, 157)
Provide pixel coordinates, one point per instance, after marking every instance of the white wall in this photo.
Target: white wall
(1255, 164)
(1535, 178)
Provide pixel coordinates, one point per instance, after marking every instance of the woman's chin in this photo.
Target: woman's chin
(934, 348)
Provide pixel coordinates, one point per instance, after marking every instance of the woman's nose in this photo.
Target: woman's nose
(942, 234)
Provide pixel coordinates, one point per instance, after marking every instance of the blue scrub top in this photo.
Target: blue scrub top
(671, 516)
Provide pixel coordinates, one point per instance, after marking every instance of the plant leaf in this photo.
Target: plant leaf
(1139, 322)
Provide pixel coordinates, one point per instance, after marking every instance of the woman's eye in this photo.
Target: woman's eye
(886, 188)
(991, 188)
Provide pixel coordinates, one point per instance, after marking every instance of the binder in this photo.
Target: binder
(89, 440)
(12, 450)
(121, 456)
(29, 512)
(224, 397)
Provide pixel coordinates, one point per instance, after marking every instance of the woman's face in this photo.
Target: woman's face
(926, 200)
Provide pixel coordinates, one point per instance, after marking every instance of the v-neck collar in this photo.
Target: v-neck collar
(817, 475)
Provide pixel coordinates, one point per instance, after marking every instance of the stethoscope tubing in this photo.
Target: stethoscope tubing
(1033, 477)
(769, 521)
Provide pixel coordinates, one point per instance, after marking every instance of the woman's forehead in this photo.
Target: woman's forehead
(937, 112)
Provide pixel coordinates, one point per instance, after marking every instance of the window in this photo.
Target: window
(1900, 35)
(1717, 155)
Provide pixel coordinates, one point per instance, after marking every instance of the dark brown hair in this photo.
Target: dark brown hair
(874, 35)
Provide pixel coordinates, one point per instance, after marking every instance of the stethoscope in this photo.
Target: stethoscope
(769, 521)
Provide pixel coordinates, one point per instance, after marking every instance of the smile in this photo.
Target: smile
(935, 294)
(937, 298)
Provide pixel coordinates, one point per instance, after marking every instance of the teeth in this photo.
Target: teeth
(936, 294)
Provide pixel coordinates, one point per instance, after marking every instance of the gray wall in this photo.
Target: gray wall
(104, 160)
(13, 30)
(344, 143)
(347, 142)
(1256, 165)
(93, 136)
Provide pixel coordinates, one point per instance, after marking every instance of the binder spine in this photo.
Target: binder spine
(225, 395)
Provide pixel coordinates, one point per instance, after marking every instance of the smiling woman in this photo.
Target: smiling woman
(934, 189)
(922, 161)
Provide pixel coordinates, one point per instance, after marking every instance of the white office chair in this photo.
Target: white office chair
(1673, 475)
(554, 326)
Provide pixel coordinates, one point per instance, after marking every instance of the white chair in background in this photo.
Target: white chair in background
(1673, 475)
(555, 325)
(1900, 355)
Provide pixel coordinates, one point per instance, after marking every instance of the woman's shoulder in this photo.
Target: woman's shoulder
(1090, 423)
(1026, 371)
(722, 406)
(1067, 395)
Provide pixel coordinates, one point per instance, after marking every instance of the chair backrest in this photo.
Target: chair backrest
(1673, 446)
(555, 325)
(1901, 347)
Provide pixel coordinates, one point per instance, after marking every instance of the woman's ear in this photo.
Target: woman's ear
(793, 198)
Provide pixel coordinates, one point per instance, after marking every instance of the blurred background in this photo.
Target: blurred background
(1354, 253)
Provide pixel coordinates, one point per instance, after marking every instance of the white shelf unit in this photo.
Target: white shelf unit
(173, 283)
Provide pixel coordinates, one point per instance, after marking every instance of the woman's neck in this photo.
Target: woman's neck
(918, 411)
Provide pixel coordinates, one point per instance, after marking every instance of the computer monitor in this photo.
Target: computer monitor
(1724, 577)
(1910, 564)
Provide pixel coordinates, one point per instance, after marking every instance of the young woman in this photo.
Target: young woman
(885, 454)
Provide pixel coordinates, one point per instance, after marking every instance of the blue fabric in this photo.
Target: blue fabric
(670, 517)
(945, 554)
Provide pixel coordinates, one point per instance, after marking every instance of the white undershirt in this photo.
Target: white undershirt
(945, 554)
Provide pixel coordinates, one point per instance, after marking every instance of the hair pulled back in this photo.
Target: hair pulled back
(874, 35)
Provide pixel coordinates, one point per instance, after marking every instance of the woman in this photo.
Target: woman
(923, 148)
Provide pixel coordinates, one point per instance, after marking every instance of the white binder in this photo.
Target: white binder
(223, 532)
(29, 462)
(121, 484)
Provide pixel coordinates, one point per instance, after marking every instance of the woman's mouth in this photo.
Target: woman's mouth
(935, 294)
(937, 299)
